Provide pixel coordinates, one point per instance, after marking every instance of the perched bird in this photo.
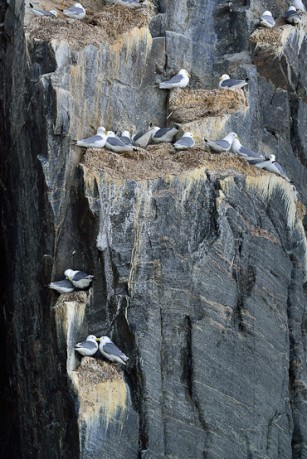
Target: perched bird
(142, 139)
(63, 286)
(75, 12)
(271, 165)
(229, 83)
(222, 145)
(109, 350)
(115, 144)
(79, 278)
(50, 13)
(246, 153)
(95, 141)
(292, 16)
(126, 138)
(87, 347)
(165, 135)
(181, 80)
(299, 5)
(185, 142)
(267, 20)
(128, 3)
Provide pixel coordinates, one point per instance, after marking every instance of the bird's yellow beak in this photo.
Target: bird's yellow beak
(98, 339)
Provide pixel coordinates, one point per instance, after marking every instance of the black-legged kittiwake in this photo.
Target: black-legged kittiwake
(271, 165)
(77, 11)
(37, 12)
(249, 155)
(63, 286)
(95, 141)
(230, 83)
(128, 3)
(267, 20)
(126, 137)
(80, 279)
(115, 144)
(165, 135)
(292, 16)
(221, 145)
(109, 350)
(142, 139)
(87, 347)
(299, 5)
(181, 80)
(185, 142)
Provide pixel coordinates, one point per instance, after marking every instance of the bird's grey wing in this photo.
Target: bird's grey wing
(279, 168)
(251, 154)
(138, 135)
(184, 142)
(174, 80)
(63, 283)
(126, 140)
(75, 10)
(231, 82)
(115, 142)
(161, 132)
(111, 348)
(86, 345)
(222, 143)
(268, 19)
(81, 275)
(94, 138)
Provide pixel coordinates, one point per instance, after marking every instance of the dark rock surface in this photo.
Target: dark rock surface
(199, 260)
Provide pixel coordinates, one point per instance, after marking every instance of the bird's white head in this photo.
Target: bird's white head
(185, 73)
(91, 338)
(110, 134)
(272, 158)
(104, 340)
(126, 134)
(101, 130)
(292, 8)
(225, 77)
(69, 273)
(267, 13)
(55, 13)
(78, 5)
(231, 136)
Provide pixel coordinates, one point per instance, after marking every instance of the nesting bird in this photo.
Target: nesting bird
(115, 144)
(221, 145)
(271, 165)
(292, 16)
(63, 286)
(229, 83)
(185, 142)
(95, 141)
(79, 279)
(181, 80)
(246, 153)
(165, 135)
(88, 347)
(299, 5)
(77, 11)
(126, 138)
(40, 13)
(142, 139)
(109, 350)
(267, 20)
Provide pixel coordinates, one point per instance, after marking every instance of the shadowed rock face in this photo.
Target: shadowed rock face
(199, 260)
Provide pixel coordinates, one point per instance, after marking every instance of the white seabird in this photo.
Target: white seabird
(181, 80)
(267, 20)
(109, 350)
(126, 137)
(229, 83)
(77, 11)
(246, 153)
(115, 144)
(142, 139)
(299, 5)
(292, 16)
(63, 286)
(79, 279)
(222, 145)
(40, 13)
(87, 347)
(185, 142)
(271, 165)
(165, 135)
(95, 141)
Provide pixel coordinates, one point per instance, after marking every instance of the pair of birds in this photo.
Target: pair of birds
(74, 279)
(292, 16)
(181, 80)
(108, 349)
(232, 142)
(124, 142)
(77, 11)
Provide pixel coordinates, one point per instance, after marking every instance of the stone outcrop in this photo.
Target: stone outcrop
(199, 259)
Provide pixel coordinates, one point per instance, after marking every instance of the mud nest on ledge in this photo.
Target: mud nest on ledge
(97, 27)
(93, 371)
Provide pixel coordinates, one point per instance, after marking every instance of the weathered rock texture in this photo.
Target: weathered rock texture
(199, 259)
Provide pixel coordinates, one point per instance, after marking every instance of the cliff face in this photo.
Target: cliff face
(199, 259)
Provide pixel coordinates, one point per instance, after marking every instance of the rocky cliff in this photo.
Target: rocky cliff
(199, 259)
